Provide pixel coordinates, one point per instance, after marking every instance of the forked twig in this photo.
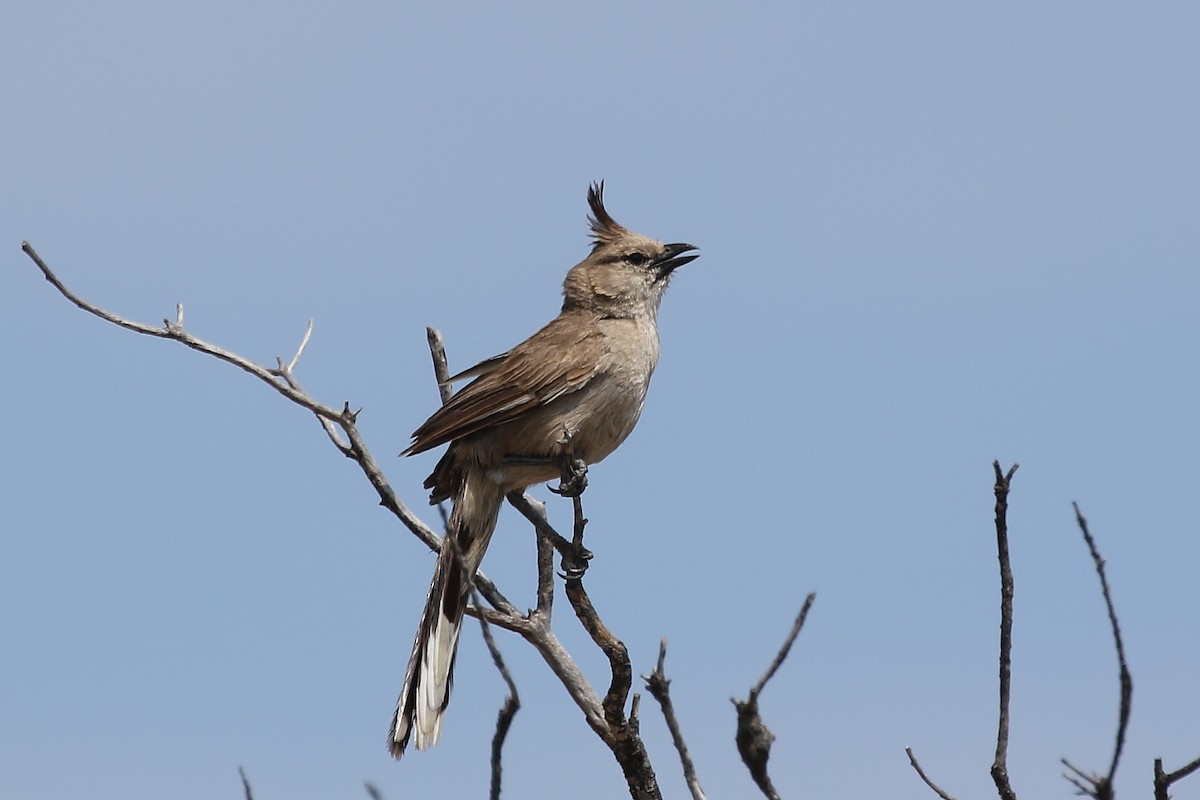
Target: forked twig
(1000, 764)
(279, 379)
(1100, 787)
(659, 687)
(999, 770)
(753, 737)
(512, 704)
(1163, 779)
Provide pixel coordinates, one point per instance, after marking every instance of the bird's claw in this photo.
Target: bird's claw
(574, 478)
(575, 563)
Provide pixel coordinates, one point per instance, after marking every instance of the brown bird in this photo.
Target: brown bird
(581, 379)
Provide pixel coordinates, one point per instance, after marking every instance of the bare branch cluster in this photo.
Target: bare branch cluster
(659, 687)
(1093, 785)
(607, 716)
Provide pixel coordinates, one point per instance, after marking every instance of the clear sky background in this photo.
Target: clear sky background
(933, 235)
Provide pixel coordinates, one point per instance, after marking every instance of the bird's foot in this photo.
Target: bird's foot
(573, 480)
(575, 558)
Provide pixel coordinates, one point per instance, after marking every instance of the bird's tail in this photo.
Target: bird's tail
(429, 676)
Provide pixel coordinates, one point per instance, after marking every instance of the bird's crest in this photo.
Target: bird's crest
(604, 228)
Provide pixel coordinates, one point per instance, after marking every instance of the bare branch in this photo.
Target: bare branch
(1086, 784)
(299, 350)
(1163, 780)
(605, 718)
(246, 793)
(441, 366)
(284, 381)
(999, 770)
(659, 686)
(753, 737)
(279, 380)
(754, 741)
(512, 704)
(1098, 786)
(912, 759)
(176, 332)
(614, 648)
(545, 563)
(786, 648)
(623, 736)
(1000, 764)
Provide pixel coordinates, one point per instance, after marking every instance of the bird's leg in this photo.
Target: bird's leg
(573, 480)
(575, 557)
(571, 484)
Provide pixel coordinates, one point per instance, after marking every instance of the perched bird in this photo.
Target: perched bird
(582, 379)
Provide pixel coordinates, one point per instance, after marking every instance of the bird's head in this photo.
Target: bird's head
(626, 273)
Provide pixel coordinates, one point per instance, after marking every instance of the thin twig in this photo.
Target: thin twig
(512, 704)
(912, 759)
(1126, 680)
(545, 566)
(283, 383)
(1163, 780)
(659, 687)
(787, 646)
(1087, 785)
(753, 737)
(441, 366)
(999, 770)
(1098, 786)
(299, 350)
(1000, 764)
(246, 793)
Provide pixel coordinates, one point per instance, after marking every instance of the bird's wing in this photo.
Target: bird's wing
(557, 360)
(487, 365)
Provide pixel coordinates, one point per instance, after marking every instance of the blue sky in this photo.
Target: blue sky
(933, 235)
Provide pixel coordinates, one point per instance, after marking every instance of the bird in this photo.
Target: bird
(573, 389)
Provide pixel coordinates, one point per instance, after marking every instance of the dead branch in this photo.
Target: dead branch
(441, 366)
(246, 793)
(1094, 785)
(338, 423)
(659, 687)
(753, 737)
(1000, 764)
(512, 704)
(624, 737)
(912, 759)
(999, 770)
(281, 379)
(1163, 780)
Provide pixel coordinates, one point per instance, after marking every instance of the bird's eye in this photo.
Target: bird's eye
(636, 259)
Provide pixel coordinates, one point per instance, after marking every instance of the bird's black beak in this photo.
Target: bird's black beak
(673, 258)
